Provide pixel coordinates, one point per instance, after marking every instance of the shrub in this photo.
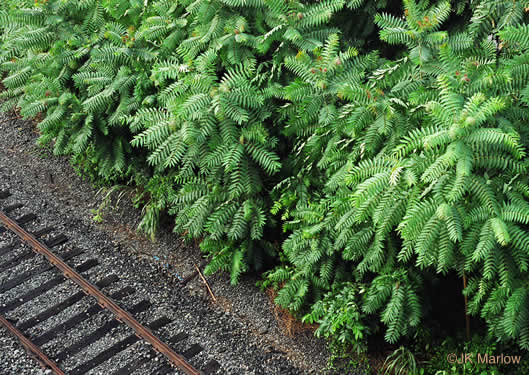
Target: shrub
(332, 143)
(340, 318)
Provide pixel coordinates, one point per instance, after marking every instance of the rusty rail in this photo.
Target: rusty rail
(43, 358)
(104, 301)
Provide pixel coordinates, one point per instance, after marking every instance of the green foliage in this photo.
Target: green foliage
(340, 317)
(337, 145)
(439, 365)
(401, 362)
(410, 166)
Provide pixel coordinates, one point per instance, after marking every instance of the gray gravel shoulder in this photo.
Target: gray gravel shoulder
(240, 331)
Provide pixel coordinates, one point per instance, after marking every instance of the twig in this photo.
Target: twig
(467, 317)
(193, 274)
(207, 284)
(7, 120)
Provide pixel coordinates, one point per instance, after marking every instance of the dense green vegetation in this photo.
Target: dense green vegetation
(357, 151)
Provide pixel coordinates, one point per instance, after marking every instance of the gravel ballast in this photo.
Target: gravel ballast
(240, 331)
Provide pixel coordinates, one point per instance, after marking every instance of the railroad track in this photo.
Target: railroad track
(67, 267)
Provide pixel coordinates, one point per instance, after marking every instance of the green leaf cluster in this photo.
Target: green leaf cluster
(334, 144)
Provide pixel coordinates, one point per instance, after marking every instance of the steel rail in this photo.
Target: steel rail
(43, 358)
(104, 301)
